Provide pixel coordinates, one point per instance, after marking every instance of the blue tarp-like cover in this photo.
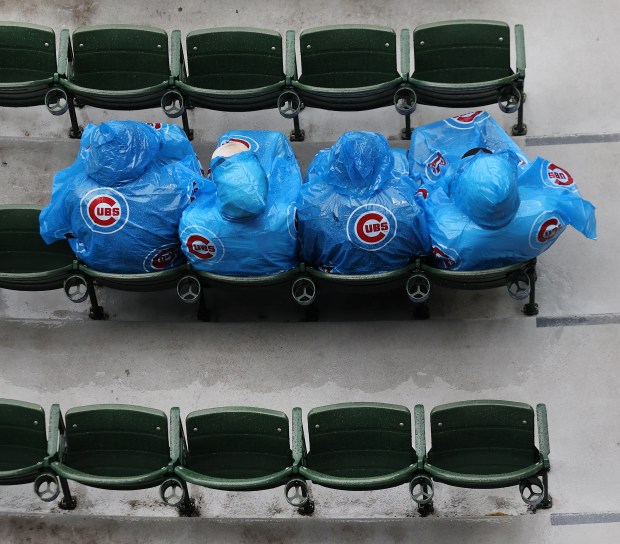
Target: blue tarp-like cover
(119, 204)
(486, 204)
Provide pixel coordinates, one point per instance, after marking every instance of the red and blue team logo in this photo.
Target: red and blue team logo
(162, 258)
(250, 143)
(446, 257)
(545, 230)
(423, 192)
(554, 176)
(104, 210)
(156, 126)
(202, 244)
(371, 227)
(467, 120)
(436, 165)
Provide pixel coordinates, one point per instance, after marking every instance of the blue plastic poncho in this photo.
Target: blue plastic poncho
(358, 213)
(548, 201)
(437, 148)
(120, 202)
(243, 220)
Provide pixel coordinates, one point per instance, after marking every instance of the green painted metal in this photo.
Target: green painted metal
(238, 448)
(115, 446)
(234, 58)
(466, 63)
(462, 51)
(486, 443)
(27, 63)
(121, 67)
(360, 446)
(348, 56)
(23, 439)
(26, 261)
(230, 69)
(347, 67)
(148, 281)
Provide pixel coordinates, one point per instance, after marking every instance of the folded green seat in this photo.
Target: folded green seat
(118, 447)
(466, 63)
(26, 262)
(348, 68)
(26, 455)
(488, 444)
(118, 67)
(361, 446)
(27, 64)
(238, 449)
(229, 69)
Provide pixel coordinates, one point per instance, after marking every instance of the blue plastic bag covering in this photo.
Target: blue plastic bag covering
(243, 220)
(549, 202)
(358, 212)
(436, 149)
(119, 204)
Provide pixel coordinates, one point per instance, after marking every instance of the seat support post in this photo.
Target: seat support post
(547, 502)
(297, 135)
(405, 133)
(75, 131)
(520, 129)
(67, 502)
(96, 312)
(531, 308)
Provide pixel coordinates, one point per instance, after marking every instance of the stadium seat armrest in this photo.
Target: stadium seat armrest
(405, 53)
(65, 54)
(177, 438)
(299, 440)
(543, 433)
(291, 61)
(420, 434)
(177, 60)
(520, 47)
(56, 432)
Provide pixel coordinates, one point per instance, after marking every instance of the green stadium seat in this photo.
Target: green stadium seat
(118, 67)
(117, 447)
(236, 449)
(229, 69)
(27, 263)
(490, 444)
(360, 446)
(28, 68)
(26, 455)
(349, 68)
(466, 63)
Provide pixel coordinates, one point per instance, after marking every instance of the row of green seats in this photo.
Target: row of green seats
(461, 63)
(350, 446)
(27, 263)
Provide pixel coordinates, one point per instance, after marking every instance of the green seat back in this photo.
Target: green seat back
(340, 57)
(22, 250)
(462, 51)
(358, 440)
(238, 442)
(22, 434)
(120, 57)
(234, 58)
(482, 437)
(116, 440)
(27, 52)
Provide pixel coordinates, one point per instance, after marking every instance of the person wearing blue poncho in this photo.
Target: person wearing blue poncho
(243, 220)
(489, 206)
(358, 212)
(120, 203)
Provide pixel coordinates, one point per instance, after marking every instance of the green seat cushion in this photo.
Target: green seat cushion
(234, 58)
(348, 56)
(238, 442)
(360, 440)
(116, 440)
(22, 435)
